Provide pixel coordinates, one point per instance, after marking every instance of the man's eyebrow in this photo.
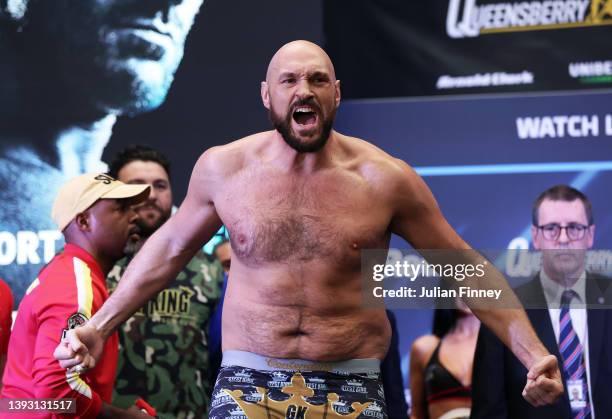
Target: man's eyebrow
(285, 74)
(123, 202)
(319, 73)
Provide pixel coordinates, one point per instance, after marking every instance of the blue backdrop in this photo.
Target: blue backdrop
(487, 158)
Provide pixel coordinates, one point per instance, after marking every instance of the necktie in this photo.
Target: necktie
(573, 354)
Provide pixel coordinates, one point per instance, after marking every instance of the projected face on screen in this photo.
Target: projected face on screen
(68, 69)
(121, 53)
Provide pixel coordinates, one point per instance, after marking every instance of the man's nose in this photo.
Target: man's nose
(563, 237)
(132, 215)
(304, 90)
(152, 193)
(151, 8)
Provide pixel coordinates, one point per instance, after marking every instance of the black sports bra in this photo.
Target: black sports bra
(440, 383)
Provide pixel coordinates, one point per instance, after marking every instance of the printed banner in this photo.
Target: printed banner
(398, 48)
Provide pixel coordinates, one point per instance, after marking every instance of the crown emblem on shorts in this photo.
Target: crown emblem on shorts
(279, 376)
(297, 402)
(253, 397)
(355, 383)
(375, 407)
(243, 373)
(236, 412)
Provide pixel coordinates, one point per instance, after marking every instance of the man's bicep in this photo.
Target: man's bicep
(194, 224)
(196, 220)
(418, 218)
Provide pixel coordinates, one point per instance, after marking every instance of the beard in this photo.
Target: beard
(283, 126)
(144, 230)
(133, 245)
(147, 228)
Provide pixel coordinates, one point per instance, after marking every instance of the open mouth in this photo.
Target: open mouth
(134, 234)
(305, 116)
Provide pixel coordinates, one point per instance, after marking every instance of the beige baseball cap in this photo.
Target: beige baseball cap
(80, 193)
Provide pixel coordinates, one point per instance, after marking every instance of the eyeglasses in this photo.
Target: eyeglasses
(574, 231)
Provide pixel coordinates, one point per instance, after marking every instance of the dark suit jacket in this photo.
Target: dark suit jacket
(391, 371)
(499, 378)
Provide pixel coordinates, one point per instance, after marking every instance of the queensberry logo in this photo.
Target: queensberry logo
(466, 18)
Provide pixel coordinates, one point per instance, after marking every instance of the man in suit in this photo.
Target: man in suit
(564, 303)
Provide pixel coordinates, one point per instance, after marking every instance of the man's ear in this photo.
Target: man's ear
(337, 91)
(534, 238)
(591, 235)
(83, 221)
(265, 94)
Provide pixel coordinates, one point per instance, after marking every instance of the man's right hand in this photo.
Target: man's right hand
(81, 349)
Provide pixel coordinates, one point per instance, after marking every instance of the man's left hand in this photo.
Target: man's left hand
(544, 385)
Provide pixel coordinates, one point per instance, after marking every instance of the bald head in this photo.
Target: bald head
(299, 52)
(302, 94)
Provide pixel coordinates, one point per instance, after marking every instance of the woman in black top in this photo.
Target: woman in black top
(441, 366)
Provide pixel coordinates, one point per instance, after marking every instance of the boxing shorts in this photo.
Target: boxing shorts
(251, 386)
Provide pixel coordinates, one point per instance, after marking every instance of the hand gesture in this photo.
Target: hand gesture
(544, 385)
(80, 349)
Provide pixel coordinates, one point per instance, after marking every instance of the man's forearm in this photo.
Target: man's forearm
(152, 269)
(509, 322)
(505, 317)
(513, 328)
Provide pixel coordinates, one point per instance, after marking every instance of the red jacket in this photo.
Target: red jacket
(66, 293)
(6, 308)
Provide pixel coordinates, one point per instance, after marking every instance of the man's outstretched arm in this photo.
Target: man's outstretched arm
(159, 261)
(418, 219)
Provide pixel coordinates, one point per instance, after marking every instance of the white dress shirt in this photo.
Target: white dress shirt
(578, 313)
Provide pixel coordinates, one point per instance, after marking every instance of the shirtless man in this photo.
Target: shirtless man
(301, 202)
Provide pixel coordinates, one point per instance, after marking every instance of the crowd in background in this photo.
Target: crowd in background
(170, 350)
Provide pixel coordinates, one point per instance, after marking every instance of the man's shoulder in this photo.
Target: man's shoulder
(60, 269)
(531, 294)
(354, 147)
(602, 280)
(599, 288)
(56, 283)
(371, 161)
(227, 159)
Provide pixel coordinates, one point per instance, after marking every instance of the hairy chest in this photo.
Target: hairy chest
(278, 221)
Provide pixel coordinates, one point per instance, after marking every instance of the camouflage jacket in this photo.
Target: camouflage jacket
(163, 353)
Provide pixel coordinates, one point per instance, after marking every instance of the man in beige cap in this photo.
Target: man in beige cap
(94, 213)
